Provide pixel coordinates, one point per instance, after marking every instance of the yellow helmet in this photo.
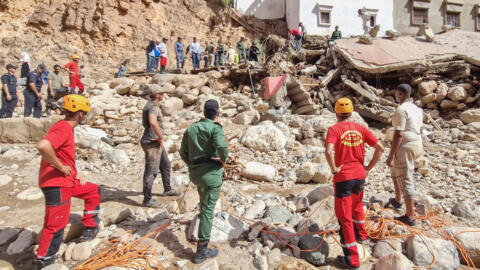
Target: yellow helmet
(74, 56)
(75, 103)
(343, 105)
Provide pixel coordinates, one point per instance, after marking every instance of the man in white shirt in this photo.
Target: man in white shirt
(196, 51)
(162, 47)
(406, 148)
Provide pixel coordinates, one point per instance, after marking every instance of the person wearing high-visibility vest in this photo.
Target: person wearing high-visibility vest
(348, 140)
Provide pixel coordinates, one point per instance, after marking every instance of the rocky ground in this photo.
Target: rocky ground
(285, 181)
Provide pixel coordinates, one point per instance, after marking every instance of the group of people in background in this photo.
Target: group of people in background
(219, 55)
(34, 81)
(298, 35)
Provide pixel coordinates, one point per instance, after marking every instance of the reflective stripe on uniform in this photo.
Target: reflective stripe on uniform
(349, 245)
(99, 211)
(358, 221)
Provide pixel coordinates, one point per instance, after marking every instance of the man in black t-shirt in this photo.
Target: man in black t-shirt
(9, 92)
(156, 158)
(32, 92)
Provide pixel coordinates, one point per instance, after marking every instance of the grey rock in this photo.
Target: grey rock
(255, 210)
(275, 242)
(225, 228)
(56, 266)
(381, 199)
(274, 257)
(7, 235)
(311, 241)
(469, 238)
(445, 252)
(24, 240)
(276, 215)
(5, 180)
(259, 172)
(320, 193)
(117, 157)
(82, 251)
(301, 203)
(260, 262)
(386, 247)
(394, 261)
(30, 194)
(209, 265)
(255, 230)
(466, 210)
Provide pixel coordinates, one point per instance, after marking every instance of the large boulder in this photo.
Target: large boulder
(246, 118)
(259, 172)
(305, 173)
(264, 137)
(163, 78)
(122, 85)
(24, 240)
(420, 248)
(322, 173)
(191, 81)
(117, 157)
(276, 215)
(457, 93)
(310, 242)
(469, 238)
(319, 193)
(171, 106)
(225, 228)
(467, 210)
(24, 130)
(427, 87)
(394, 261)
(470, 116)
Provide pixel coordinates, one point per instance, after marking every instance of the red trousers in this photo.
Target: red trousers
(57, 214)
(163, 61)
(349, 212)
(76, 82)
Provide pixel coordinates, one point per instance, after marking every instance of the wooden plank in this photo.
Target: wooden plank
(329, 77)
(359, 89)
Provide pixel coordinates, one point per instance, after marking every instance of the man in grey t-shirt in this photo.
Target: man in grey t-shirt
(156, 158)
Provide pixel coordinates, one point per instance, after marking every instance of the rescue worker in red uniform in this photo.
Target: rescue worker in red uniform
(73, 70)
(59, 182)
(349, 172)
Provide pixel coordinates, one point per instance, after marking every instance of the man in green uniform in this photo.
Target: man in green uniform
(337, 34)
(221, 54)
(203, 149)
(241, 49)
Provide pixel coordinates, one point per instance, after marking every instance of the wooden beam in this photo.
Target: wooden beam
(360, 90)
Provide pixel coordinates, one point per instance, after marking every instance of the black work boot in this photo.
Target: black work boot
(395, 205)
(152, 204)
(203, 253)
(89, 233)
(43, 262)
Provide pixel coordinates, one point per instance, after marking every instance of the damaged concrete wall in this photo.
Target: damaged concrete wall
(345, 15)
(267, 9)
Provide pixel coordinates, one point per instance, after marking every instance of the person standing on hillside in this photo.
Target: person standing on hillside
(406, 148)
(303, 30)
(195, 49)
(180, 53)
(204, 149)
(56, 89)
(211, 54)
(25, 67)
(221, 53)
(9, 92)
(74, 72)
(241, 49)
(150, 51)
(254, 52)
(59, 182)
(297, 37)
(156, 158)
(122, 69)
(337, 34)
(157, 55)
(348, 140)
(32, 94)
(163, 55)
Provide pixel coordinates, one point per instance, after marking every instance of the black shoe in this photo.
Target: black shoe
(395, 205)
(152, 204)
(89, 233)
(343, 262)
(171, 192)
(204, 253)
(44, 262)
(404, 219)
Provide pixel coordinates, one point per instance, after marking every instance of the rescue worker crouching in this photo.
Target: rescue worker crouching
(59, 182)
(203, 149)
(348, 140)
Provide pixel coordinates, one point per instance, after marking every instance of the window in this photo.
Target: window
(419, 16)
(372, 21)
(324, 17)
(453, 19)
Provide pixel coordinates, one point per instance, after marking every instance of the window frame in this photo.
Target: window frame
(413, 22)
(457, 14)
(324, 9)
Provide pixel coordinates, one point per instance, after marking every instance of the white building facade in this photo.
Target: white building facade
(354, 17)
